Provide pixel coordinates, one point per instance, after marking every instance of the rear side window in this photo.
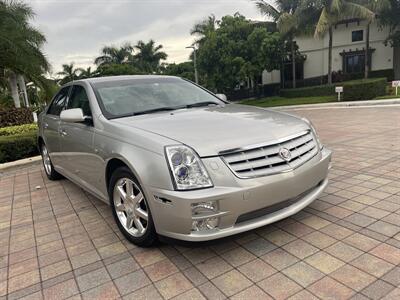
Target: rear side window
(79, 99)
(59, 102)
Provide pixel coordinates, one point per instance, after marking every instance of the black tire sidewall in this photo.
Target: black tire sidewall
(150, 237)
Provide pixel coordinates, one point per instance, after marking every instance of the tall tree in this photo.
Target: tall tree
(237, 53)
(204, 28)
(330, 13)
(148, 56)
(377, 7)
(390, 17)
(86, 73)
(114, 55)
(20, 46)
(68, 73)
(284, 13)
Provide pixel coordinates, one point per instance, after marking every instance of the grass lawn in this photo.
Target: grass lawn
(388, 97)
(280, 101)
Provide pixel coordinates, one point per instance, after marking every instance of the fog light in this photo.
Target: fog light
(204, 212)
(205, 224)
(204, 208)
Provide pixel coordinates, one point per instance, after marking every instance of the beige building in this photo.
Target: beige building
(348, 53)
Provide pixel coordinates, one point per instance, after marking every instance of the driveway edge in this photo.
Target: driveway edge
(20, 163)
(341, 104)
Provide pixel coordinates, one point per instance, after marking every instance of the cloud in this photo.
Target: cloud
(77, 30)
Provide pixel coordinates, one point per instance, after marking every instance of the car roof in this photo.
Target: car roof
(117, 78)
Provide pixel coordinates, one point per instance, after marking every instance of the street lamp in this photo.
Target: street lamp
(196, 76)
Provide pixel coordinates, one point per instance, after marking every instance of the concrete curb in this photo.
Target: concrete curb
(340, 104)
(20, 163)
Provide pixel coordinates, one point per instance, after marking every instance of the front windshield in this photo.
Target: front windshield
(128, 97)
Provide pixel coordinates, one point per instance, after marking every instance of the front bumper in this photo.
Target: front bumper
(243, 204)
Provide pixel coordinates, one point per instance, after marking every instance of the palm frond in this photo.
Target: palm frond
(287, 23)
(354, 10)
(323, 24)
(267, 9)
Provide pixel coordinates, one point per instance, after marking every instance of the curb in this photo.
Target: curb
(340, 104)
(20, 163)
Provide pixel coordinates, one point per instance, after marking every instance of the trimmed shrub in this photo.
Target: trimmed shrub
(15, 116)
(314, 91)
(363, 89)
(19, 146)
(18, 129)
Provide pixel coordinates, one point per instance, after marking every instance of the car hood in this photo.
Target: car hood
(211, 130)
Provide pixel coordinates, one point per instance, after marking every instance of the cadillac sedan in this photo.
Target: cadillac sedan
(173, 159)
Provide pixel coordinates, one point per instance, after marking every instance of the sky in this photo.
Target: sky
(76, 30)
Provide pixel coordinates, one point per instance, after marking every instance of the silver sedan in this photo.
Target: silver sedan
(175, 160)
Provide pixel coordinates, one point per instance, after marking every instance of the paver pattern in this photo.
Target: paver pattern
(58, 242)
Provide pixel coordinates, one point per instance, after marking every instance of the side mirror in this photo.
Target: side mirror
(222, 97)
(73, 115)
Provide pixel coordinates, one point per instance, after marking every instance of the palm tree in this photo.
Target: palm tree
(86, 73)
(330, 13)
(113, 55)
(204, 28)
(20, 47)
(68, 73)
(284, 14)
(149, 56)
(376, 7)
(390, 18)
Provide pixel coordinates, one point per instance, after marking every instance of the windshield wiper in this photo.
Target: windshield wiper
(200, 104)
(154, 110)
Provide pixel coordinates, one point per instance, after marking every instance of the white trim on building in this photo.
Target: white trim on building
(347, 52)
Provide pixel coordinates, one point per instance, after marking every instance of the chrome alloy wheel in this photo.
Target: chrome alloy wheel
(131, 207)
(46, 160)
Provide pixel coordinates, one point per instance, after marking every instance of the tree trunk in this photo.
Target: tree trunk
(367, 51)
(12, 80)
(396, 62)
(22, 87)
(330, 55)
(293, 64)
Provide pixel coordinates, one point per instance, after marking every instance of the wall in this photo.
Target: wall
(316, 50)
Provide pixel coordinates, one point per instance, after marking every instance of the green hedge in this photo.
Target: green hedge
(14, 147)
(18, 129)
(363, 89)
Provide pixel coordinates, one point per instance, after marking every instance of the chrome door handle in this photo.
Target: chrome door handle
(63, 132)
(45, 125)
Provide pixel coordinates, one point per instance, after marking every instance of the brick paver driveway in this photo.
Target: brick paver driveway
(58, 242)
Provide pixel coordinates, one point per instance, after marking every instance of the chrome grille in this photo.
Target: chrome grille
(265, 160)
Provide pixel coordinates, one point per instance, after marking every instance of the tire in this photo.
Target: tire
(51, 173)
(130, 208)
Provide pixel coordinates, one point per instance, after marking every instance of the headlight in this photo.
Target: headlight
(320, 145)
(187, 170)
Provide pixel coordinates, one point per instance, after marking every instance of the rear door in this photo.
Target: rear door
(79, 159)
(51, 124)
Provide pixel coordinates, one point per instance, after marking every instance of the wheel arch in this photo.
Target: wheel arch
(115, 163)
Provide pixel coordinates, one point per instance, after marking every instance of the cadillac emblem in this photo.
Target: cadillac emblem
(285, 154)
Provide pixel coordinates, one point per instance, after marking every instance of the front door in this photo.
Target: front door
(51, 123)
(79, 159)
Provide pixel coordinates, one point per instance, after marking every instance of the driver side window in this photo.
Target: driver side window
(79, 99)
(58, 103)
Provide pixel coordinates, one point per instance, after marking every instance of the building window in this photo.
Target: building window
(357, 36)
(354, 63)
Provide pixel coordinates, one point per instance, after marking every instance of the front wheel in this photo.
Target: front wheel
(48, 165)
(130, 208)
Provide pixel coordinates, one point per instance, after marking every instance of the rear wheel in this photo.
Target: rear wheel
(130, 208)
(48, 165)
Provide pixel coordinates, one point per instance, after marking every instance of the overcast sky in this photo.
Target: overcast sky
(76, 30)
